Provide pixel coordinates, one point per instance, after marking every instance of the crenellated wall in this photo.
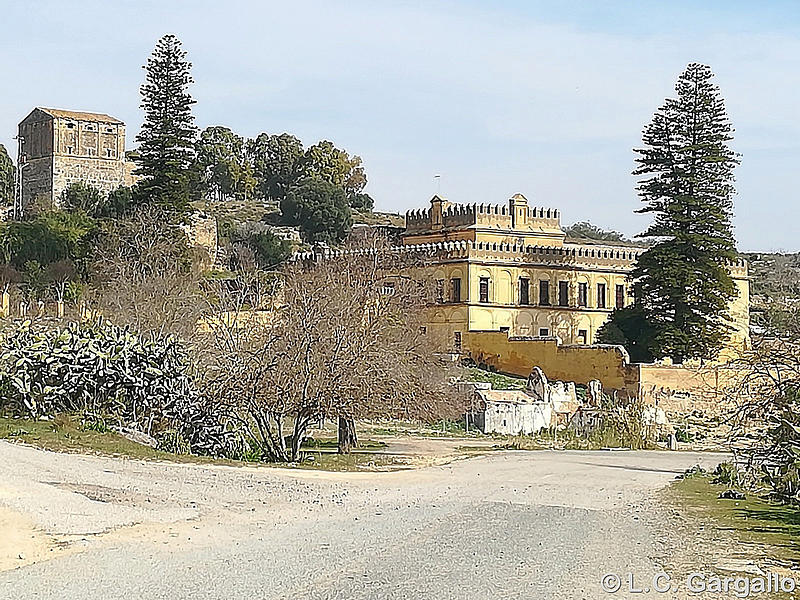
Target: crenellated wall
(517, 216)
(575, 255)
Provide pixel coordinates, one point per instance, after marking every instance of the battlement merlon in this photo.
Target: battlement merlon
(515, 217)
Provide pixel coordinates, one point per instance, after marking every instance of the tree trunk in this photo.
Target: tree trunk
(347, 435)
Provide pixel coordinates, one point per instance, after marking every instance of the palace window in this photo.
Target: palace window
(563, 293)
(524, 290)
(455, 289)
(440, 290)
(620, 296)
(457, 341)
(544, 293)
(583, 294)
(601, 295)
(583, 335)
(544, 332)
(484, 289)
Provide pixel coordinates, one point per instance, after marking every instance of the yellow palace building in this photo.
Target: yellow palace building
(510, 268)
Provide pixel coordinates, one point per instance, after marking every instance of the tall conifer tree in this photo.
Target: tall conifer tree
(6, 178)
(682, 282)
(166, 141)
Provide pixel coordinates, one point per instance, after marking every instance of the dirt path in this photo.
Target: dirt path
(506, 525)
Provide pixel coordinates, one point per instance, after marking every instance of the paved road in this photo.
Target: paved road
(509, 525)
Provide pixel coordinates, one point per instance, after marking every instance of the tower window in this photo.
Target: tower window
(563, 293)
(455, 289)
(601, 295)
(620, 296)
(524, 291)
(544, 293)
(484, 289)
(583, 294)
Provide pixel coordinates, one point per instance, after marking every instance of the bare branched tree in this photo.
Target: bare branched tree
(767, 423)
(339, 338)
(143, 276)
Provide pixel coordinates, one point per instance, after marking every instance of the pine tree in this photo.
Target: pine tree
(682, 282)
(6, 178)
(166, 141)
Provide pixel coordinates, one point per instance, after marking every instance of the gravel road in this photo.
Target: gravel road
(507, 525)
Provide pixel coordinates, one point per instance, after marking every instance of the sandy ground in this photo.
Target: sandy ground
(505, 525)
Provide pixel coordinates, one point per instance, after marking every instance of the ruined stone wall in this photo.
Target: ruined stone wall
(202, 235)
(513, 419)
(581, 364)
(678, 390)
(683, 389)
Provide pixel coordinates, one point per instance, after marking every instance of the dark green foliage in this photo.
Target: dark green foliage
(9, 275)
(584, 230)
(320, 209)
(274, 159)
(325, 161)
(361, 202)
(48, 238)
(83, 197)
(6, 178)
(630, 328)
(89, 200)
(167, 138)
(682, 282)
(119, 202)
(268, 249)
(224, 167)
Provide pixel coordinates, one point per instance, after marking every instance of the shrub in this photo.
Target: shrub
(94, 368)
(726, 473)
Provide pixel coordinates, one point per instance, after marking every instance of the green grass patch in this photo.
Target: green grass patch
(549, 439)
(445, 428)
(66, 434)
(333, 444)
(764, 529)
(499, 381)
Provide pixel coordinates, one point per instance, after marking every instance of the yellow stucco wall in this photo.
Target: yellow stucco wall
(505, 244)
(505, 311)
(580, 364)
(678, 390)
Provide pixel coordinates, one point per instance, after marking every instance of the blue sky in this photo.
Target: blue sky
(543, 98)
